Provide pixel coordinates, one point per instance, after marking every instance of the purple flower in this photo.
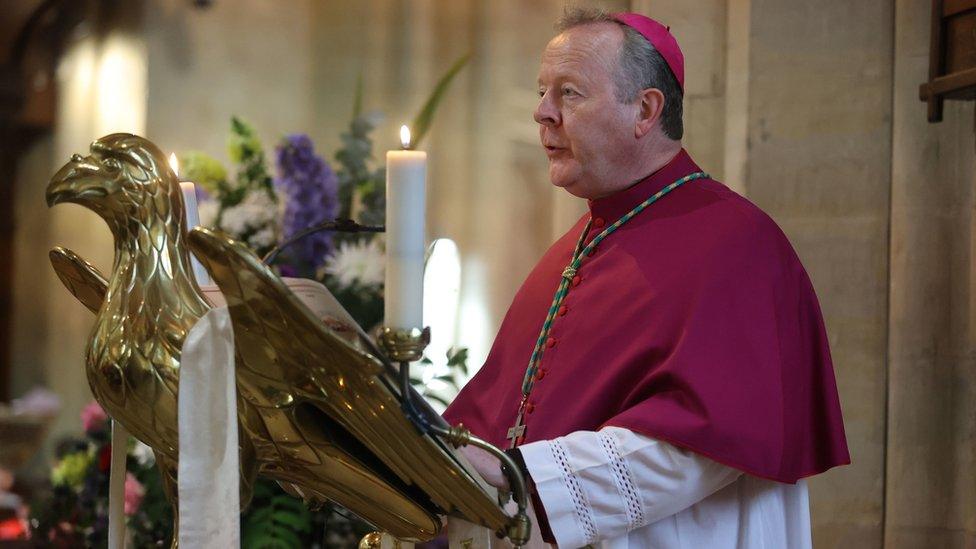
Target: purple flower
(311, 189)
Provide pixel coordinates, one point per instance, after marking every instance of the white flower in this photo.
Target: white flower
(263, 238)
(254, 212)
(208, 210)
(358, 262)
(143, 454)
(234, 220)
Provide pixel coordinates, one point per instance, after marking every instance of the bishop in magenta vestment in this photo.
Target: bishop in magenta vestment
(693, 324)
(685, 387)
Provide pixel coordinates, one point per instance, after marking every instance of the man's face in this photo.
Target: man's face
(588, 134)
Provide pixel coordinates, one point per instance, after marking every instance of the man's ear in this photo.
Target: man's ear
(651, 103)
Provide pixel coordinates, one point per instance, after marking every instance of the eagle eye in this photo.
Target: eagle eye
(112, 164)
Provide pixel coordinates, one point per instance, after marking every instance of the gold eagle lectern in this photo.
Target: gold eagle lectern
(327, 419)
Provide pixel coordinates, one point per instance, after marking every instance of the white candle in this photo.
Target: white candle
(406, 175)
(191, 214)
(116, 487)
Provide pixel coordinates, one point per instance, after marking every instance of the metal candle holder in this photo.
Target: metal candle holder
(407, 345)
(404, 346)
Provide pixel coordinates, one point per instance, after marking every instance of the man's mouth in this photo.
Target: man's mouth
(552, 150)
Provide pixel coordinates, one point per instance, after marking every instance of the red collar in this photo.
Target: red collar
(613, 207)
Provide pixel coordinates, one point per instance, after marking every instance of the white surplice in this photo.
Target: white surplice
(617, 489)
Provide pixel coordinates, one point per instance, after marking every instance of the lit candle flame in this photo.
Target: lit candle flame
(174, 163)
(405, 136)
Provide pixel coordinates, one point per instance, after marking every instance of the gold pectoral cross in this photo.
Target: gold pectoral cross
(517, 432)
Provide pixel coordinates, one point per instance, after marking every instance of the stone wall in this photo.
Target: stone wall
(931, 462)
(808, 108)
(819, 162)
(822, 128)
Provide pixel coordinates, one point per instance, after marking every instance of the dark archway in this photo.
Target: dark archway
(32, 34)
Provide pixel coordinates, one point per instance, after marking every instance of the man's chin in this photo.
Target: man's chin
(562, 178)
(569, 184)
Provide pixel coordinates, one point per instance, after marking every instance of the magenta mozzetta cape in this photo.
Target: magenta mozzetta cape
(694, 323)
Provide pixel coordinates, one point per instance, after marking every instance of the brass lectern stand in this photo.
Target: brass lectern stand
(327, 418)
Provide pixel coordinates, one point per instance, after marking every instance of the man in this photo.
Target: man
(663, 374)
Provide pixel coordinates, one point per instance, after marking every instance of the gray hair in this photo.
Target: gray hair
(640, 67)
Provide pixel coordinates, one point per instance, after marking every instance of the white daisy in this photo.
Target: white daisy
(263, 238)
(358, 263)
(254, 212)
(143, 454)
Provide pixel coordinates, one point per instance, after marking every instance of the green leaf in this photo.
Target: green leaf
(457, 356)
(296, 522)
(423, 120)
(204, 170)
(288, 539)
(261, 515)
(275, 519)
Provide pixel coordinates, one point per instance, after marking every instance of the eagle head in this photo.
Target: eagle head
(123, 176)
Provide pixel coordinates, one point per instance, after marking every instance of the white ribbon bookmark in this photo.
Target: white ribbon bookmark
(116, 487)
(209, 479)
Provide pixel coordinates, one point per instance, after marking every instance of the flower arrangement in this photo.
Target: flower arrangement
(247, 205)
(261, 210)
(75, 513)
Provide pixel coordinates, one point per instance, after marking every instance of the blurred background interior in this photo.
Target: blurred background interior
(809, 109)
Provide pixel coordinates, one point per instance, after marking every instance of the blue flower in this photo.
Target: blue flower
(310, 188)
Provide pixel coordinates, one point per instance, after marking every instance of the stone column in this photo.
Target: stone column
(792, 102)
(819, 162)
(931, 463)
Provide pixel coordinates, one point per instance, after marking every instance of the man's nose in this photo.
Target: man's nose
(546, 113)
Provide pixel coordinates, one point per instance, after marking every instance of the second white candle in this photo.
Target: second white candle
(406, 200)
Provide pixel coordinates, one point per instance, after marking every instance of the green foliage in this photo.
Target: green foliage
(73, 511)
(243, 143)
(355, 175)
(154, 521)
(246, 206)
(423, 120)
(204, 170)
(457, 363)
(356, 178)
(71, 470)
(246, 150)
(457, 357)
(276, 520)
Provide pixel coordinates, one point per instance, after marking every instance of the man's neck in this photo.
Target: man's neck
(651, 161)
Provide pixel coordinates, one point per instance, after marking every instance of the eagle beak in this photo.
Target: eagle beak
(78, 181)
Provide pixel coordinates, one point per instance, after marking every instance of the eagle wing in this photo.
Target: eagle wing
(335, 394)
(80, 277)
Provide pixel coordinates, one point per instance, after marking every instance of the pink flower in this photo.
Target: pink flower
(134, 492)
(93, 417)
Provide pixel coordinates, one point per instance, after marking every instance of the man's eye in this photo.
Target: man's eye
(542, 92)
(569, 91)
